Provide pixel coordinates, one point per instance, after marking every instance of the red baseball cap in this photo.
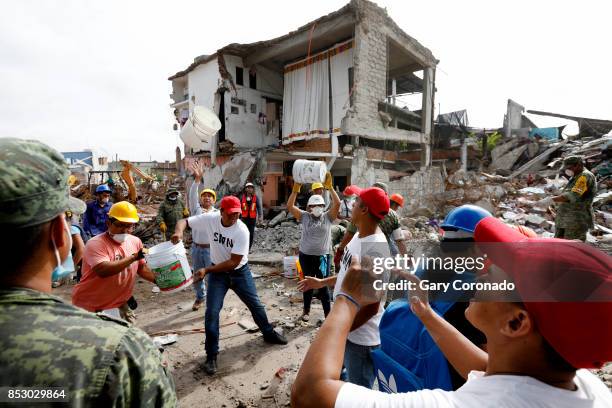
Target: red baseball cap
(375, 199)
(350, 190)
(231, 204)
(565, 285)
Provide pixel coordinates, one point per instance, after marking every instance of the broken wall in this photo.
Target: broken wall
(372, 32)
(421, 189)
(245, 126)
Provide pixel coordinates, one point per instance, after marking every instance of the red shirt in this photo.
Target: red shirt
(95, 293)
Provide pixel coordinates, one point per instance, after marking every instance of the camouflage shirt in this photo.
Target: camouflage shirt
(98, 360)
(388, 224)
(170, 212)
(578, 211)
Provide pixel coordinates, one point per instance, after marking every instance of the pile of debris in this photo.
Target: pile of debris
(541, 177)
(280, 234)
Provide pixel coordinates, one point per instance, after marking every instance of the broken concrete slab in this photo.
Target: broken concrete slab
(278, 218)
(499, 151)
(506, 161)
(266, 258)
(535, 219)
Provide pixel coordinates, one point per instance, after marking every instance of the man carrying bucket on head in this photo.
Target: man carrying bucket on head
(110, 264)
(200, 250)
(229, 249)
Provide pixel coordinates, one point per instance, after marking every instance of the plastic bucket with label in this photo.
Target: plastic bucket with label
(170, 265)
(309, 171)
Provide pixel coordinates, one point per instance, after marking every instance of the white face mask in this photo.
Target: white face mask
(569, 173)
(119, 238)
(317, 211)
(105, 200)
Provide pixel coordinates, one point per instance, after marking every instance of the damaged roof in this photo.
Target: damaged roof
(354, 10)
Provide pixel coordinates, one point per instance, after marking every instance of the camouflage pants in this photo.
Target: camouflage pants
(572, 233)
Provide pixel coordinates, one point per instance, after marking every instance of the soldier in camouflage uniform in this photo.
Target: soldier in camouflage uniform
(389, 225)
(46, 342)
(170, 211)
(575, 204)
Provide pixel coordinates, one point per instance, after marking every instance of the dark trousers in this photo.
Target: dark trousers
(241, 282)
(250, 223)
(311, 266)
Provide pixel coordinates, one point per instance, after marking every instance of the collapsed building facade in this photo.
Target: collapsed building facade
(326, 91)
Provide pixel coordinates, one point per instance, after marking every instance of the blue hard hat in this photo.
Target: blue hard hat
(464, 218)
(102, 188)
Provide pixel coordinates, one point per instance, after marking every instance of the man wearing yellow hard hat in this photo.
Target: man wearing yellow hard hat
(110, 264)
(200, 250)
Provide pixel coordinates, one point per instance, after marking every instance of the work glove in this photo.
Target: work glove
(163, 228)
(545, 202)
(329, 181)
(141, 253)
(297, 187)
(185, 212)
(338, 257)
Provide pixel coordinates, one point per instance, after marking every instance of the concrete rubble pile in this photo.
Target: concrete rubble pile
(280, 234)
(541, 176)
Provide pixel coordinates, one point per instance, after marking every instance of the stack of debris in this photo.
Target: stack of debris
(539, 177)
(281, 234)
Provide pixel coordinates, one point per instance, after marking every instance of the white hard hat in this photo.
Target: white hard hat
(316, 200)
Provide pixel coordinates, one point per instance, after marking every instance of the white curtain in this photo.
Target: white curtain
(340, 64)
(306, 101)
(306, 94)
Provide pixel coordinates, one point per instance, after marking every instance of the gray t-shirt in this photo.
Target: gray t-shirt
(316, 234)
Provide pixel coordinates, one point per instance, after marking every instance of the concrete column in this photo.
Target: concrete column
(427, 116)
(464, 155)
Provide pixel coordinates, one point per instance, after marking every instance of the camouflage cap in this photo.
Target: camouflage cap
(572, 160)
(33, 182)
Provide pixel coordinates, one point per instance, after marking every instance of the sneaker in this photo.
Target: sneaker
(210, 366)
(275, 338)
(197, 305)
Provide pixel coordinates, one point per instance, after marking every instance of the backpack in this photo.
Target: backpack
(408, 358)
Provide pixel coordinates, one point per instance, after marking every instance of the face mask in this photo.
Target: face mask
(172, 198)
(118, 238)
(105, 200)
(569, 173)
(60, 272)
(317, 211)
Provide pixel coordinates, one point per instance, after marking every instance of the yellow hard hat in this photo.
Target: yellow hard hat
(314, 186)
(211, 192)
(124, 212)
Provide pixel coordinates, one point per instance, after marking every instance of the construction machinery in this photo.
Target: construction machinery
(126, 175)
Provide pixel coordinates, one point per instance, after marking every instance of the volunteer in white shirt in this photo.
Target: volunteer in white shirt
(229, 248)
(370, 207)
(200, 248)
(538, 351)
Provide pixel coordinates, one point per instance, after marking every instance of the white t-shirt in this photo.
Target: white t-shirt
(199, 235)
(224, 241)
(498, 391)
(373, 245)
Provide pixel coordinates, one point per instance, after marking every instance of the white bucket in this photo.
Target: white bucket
(170, 265)
(309, 171)
(289, 267)
(201, 126)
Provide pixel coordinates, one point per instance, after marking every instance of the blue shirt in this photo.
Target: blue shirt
(94, 219)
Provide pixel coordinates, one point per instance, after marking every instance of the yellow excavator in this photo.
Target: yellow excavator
(126, 175)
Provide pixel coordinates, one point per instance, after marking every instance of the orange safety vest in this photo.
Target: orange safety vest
(249, 212)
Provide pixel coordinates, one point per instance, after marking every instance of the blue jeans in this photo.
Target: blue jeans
(200, 258)
(359, 364)
(241, 282)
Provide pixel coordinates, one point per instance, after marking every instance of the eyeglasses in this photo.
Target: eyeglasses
(124, 226)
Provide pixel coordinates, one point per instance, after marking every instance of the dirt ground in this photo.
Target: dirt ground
(247, 365)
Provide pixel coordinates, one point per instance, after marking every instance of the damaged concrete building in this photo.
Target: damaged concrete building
(326, 91)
